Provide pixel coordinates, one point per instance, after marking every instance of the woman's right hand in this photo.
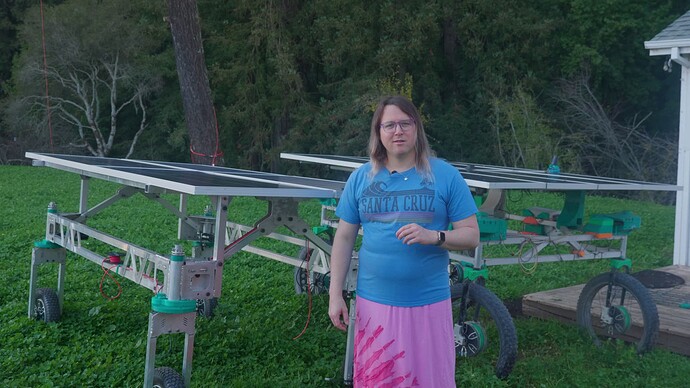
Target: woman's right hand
(337, 310)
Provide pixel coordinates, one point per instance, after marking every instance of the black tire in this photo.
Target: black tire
(46, 305)
(166, 377)
(206, 307)
(630, 301)
(488, 315)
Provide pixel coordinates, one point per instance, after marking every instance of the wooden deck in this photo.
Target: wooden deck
(674, 321)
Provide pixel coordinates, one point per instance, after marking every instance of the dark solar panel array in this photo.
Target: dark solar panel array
(192, 178)
(497, 177)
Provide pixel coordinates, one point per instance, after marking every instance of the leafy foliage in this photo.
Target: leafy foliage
(99, 86)
(301, 76)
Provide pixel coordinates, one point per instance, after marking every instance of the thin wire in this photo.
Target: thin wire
(217, 153)
(45, 76)
(106, 272)
(528, 270)
(306, 271)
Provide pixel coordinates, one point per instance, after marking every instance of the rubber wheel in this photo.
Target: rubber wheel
(46, 305)
(206, 307)
(166, 377)
(486, 319)
(628, 300)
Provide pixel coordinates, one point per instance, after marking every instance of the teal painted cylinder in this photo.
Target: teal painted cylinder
(161, 304)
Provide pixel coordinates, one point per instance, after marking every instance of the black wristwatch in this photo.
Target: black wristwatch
(441, 238)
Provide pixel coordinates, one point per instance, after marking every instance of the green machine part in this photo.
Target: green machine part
(573, 210)
(599, 224)
(619, 224)
(538, 213)
(160, 303)
(620, 263)
(491, 228)
(478, 200)
(467, 271)
(625, 222)
(45, 244)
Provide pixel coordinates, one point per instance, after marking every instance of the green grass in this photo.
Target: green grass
(249, 343)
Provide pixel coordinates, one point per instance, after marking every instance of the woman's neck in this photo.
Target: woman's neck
(404, 164)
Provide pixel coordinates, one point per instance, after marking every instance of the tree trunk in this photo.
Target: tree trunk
(183, 16)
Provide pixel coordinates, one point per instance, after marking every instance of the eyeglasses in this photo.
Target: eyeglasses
(389, 126)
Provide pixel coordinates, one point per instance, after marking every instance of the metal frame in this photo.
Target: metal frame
(494, 181)
(198, 276)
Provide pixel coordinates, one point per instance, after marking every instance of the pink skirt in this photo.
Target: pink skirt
(404, 346)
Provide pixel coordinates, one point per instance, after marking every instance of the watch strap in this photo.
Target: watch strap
(441, 238)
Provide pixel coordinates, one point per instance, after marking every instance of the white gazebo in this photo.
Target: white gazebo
(674, 42)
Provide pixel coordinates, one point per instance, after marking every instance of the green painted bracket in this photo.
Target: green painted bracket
(620, 263)
(45, 244)
(573, 210)
(327, 201)
(161, 304)
(320, 229)
(471, 273)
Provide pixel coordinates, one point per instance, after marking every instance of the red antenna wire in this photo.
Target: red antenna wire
(217, 153)
(45, 76)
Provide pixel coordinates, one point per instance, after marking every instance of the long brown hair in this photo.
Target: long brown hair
(377, 152)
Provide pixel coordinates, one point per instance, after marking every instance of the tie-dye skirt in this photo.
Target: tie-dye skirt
(404, 346)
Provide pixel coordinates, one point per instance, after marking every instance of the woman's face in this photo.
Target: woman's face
(399, 141)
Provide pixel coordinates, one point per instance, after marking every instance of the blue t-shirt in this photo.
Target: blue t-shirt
(391, 272)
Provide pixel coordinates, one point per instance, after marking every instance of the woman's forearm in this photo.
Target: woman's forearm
(341, 254)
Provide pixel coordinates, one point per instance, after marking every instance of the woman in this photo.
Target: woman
(404, 199)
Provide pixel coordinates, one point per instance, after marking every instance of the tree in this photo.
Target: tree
(525, 138)
(93, 72)
(200, 116)
(607, 146)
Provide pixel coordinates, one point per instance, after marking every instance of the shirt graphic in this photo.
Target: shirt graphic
(405, 206)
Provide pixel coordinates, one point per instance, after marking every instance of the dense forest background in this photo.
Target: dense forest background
(508, 82)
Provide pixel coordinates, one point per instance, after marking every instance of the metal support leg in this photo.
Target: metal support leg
(348, 366)
(41, 256)
(162, 323)
(494, 205)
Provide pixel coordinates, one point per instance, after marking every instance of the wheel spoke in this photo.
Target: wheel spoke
(618, 306)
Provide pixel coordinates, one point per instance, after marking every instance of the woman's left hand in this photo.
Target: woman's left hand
(415, 234)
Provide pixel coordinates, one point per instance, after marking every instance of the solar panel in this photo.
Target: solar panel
(497, 177)
(191, 178)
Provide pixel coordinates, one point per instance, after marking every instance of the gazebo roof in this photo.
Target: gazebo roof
(676, 35)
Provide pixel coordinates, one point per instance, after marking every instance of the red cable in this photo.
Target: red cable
(45, 75)
(217, 153)
(106, 271)
(156, 288)
(306, 271)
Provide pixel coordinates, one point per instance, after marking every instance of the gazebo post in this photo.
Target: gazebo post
(674, 42)
(681, 255)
